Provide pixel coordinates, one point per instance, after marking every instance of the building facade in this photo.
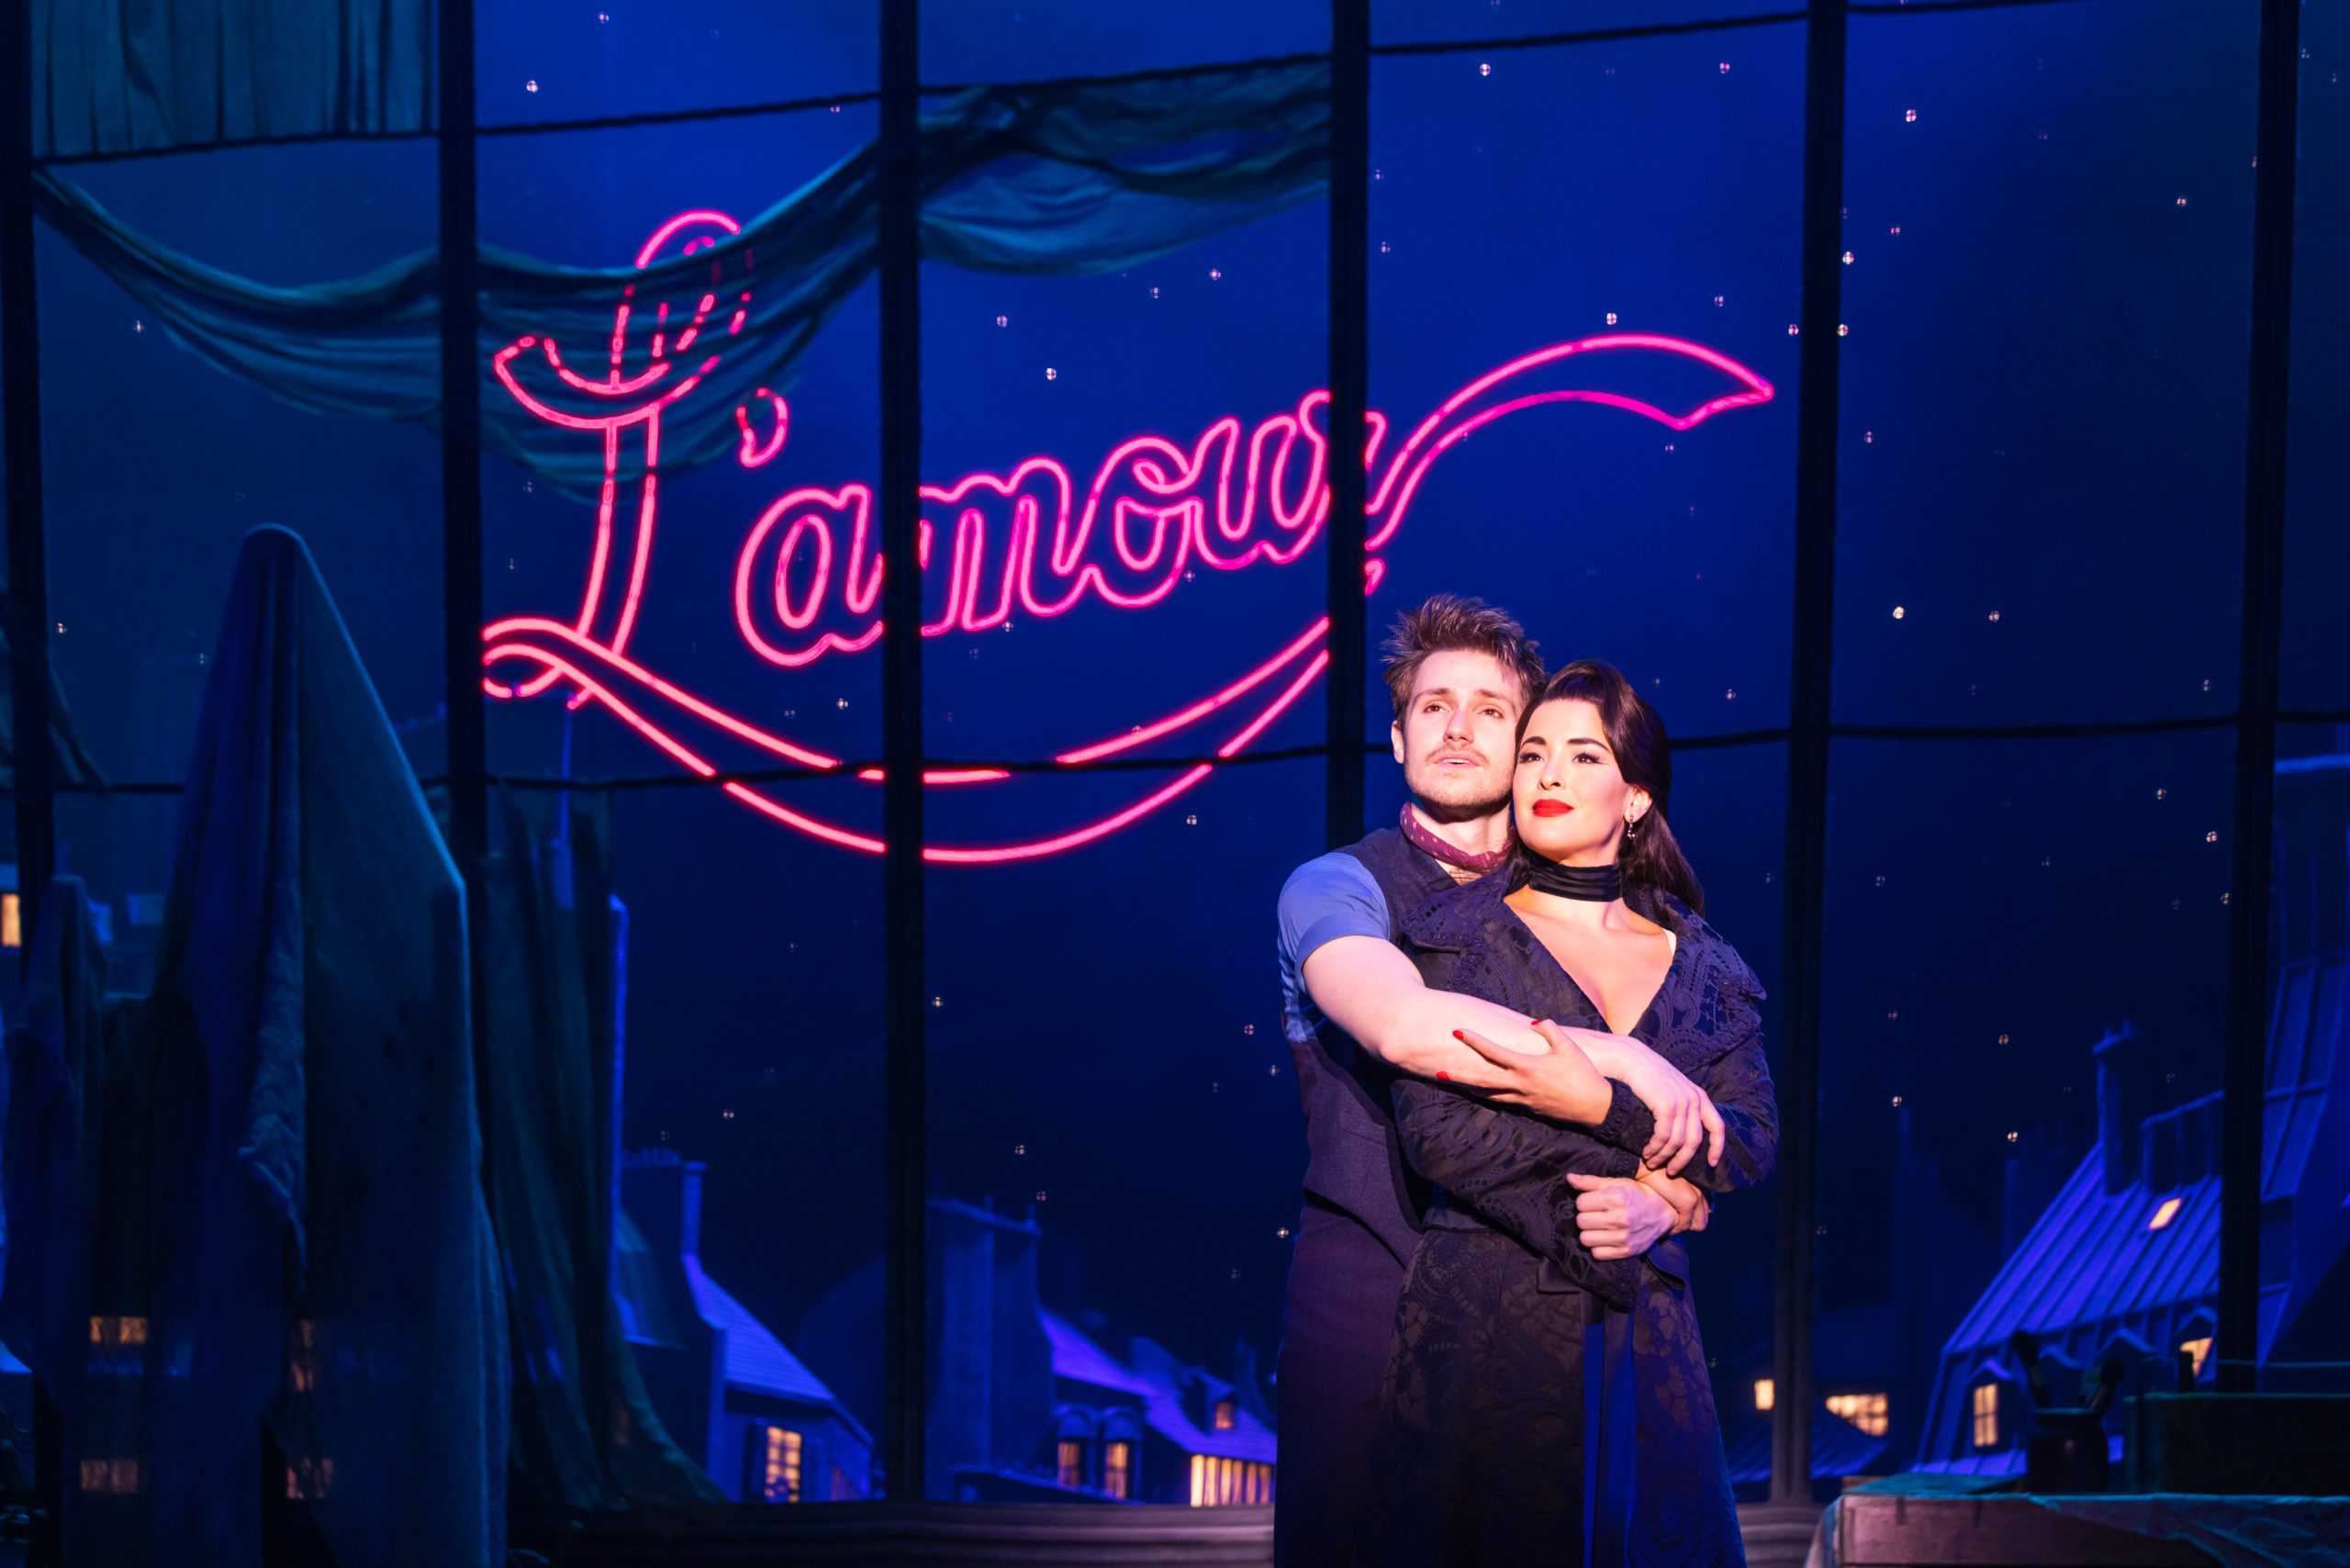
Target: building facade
(767, 1428)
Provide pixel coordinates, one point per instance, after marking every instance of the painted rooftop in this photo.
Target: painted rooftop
(2092, 1258)
(1249, 1438)
(1079, 1359)
(755, 1359)
(1157, 1380)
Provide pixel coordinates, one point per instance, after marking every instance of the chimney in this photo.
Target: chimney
(2116, 1109)
(2035, 1173)
(662, 1192)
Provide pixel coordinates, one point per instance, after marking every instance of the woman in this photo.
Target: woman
(1526, 1359)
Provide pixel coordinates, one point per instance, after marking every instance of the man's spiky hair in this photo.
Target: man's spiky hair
(1447, 623)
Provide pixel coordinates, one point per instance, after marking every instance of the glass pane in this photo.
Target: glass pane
(1637, 202)
(2303, 1347)
(2304, 1343)
(157, 466)
(1730, 813)
(534, 60)
(1434, 21)
(2317, 547)
(1106, 1035)
(2025, 942)
(965, 41)
(2043, 428)
(663, 564)
(750, 1073)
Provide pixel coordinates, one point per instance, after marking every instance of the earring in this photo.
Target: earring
(1632, 829)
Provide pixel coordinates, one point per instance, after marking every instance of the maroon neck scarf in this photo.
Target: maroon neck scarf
(1427, 842)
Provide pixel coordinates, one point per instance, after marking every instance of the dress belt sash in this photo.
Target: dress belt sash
(1609, 1432)
(1610, 1426)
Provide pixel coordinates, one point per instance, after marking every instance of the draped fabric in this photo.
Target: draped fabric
(134, 76)
(585, 1435)
(1058, 178)
(272, 1162)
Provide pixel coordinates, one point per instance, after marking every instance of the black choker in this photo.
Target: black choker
(1593, 884)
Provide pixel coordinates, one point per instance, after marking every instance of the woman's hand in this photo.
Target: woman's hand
(1685, 1117)
(1690, 1209)
(1618, 1217)
(1561, 1083)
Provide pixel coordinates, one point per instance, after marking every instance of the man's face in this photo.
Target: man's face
(1456, 737)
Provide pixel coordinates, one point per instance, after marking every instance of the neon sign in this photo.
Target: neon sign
(1029, 543)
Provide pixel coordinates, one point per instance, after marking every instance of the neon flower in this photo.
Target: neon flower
(1029, 543)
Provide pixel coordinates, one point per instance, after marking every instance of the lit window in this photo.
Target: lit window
(1117, 1469)
(1763, 1398)
(303, 1360)
(12, 923)
(774, 1457)
(2201, 1350)
(1226, 1413)
(308, 1479)
(1072, 1462)
(1986, 1412)
(1866, 1411)
(1223, 1483)
(2165, 1214)
(109, 1475)
(115, 1332)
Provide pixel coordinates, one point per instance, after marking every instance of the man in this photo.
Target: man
(1357, 1015)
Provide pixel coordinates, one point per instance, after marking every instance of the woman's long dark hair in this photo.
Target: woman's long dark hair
(1651, 857)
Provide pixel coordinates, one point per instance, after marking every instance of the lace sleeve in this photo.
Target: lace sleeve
(1510, 1171)
(1738, 1078)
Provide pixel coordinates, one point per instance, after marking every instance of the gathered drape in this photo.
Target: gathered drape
(1052, 178)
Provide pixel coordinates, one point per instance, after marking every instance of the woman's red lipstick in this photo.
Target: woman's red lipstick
(1551, 808)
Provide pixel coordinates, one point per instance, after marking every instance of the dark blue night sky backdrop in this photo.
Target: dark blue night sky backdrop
(2042, 496)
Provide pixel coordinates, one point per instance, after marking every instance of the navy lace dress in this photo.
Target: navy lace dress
(1480, 1460)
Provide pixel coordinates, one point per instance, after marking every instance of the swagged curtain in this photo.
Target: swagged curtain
(1057, 178)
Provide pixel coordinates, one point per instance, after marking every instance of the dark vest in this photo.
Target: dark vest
(1353, 1161)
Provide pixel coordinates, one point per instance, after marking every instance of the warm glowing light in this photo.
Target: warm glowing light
(1765, 1393)
(1070, 1470)
(1030, 544)
(12, 921)
(776, 1456)
(1117, 1469)
(1983, 1411)
(2166, 1213)
(115, 1333)
(2200, 1349)
(1866, 1411)
(1225, 1417)
(1218, 1482)
(110, 1475)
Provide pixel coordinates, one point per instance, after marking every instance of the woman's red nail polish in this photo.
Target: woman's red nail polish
(1446, 1076)
(1461, 1036)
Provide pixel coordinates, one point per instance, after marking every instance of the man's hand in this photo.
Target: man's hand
(1618, 1217)
(1561, 1083)
(1685, 1117)
(1687, 1202)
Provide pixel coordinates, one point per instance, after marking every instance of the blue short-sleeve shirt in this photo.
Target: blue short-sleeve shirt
(1331, 896)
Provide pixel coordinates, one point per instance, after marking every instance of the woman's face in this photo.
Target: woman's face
(1570, 798)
